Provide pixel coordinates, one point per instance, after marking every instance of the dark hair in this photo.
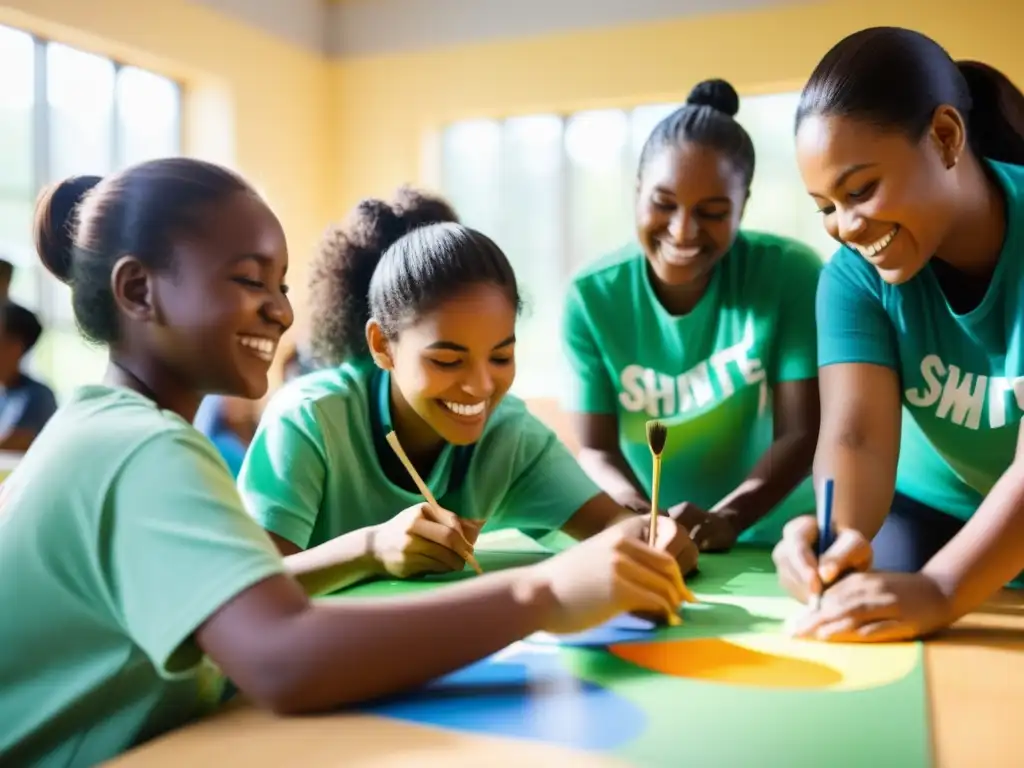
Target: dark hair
(430, 265)
(896, 78)
(22, 324)
(707, 119)
(349, 253)
(6, 270)
(84, 224)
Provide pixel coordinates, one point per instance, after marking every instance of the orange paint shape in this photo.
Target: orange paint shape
(722, 661)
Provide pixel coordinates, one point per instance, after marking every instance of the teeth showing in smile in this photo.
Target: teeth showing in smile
(262, 348)
(465, 410)
(878, 246)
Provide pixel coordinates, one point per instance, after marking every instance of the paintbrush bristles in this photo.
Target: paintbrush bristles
(657, 434)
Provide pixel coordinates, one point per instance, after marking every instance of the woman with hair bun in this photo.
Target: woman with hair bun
(916, 163)
(416, 316)
(127, 561)
(706, 327)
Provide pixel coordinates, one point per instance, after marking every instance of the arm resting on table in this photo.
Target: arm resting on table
(989, 550)
(788, 459)
(293, 656)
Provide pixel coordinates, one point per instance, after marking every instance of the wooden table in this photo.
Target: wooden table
(975, 677)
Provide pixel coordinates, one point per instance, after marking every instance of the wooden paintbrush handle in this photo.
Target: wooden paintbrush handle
(655, 489)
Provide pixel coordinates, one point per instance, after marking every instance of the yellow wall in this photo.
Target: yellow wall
(388, 106)
(254, 102)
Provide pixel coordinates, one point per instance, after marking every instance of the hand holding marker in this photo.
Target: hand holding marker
(441, 515)
(825, 536)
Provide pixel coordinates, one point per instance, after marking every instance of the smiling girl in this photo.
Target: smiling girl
(126, 555)
(917, 165)
(418, 315)
(707, 327)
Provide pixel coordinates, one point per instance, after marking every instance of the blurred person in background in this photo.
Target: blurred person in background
(25, 403)
(229, 423)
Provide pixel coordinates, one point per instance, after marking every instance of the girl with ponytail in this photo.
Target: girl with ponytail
(916, 163)
(415, 316)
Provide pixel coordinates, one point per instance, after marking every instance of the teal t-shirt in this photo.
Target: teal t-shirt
(962, 375)
(312, 470)
(707, 375)
(121, 532)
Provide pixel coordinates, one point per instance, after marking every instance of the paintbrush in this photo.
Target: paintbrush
(657, 433)
(442, 515)
(825, 537)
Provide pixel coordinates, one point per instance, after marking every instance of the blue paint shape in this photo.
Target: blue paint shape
(621, 629)
(526, 694)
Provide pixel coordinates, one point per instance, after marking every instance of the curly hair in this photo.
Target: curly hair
(347, 258)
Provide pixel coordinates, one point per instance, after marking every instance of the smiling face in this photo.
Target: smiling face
(889, 198)
(689, 203)
(451, 366)
(220, 311)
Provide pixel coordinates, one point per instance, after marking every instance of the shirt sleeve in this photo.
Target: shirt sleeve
(797, 340)
(283, 475)
(181, 545)
(547, 485)
(40, 406)
(591, 390)
(853, 326)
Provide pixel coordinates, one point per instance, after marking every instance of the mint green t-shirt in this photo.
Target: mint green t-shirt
(707, 375)
(312, 471)
(121, 532)
(962, 375)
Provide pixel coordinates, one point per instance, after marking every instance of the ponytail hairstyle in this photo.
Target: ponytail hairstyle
(707, 118)
(896, 78)
(85, 224)
(346, 261)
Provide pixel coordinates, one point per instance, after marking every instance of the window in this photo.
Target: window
(556, 192)
(62, 112)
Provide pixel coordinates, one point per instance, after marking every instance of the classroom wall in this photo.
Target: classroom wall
(388, 108)
(254, 102)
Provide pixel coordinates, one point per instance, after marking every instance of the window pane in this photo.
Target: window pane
(531, 235)
(16, 247)
(642, 121)
(778, 199)
(471, 172)
(147, 116)
(17, 95)
(80, 93)
(600, 211)
(64, 360)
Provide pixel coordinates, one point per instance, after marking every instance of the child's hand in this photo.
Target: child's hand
(608, 574)
(415, 541)
(710, 531)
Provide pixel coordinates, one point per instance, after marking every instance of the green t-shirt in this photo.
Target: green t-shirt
(121, 531)
(707, 375)
(312, 471)
(962, 375)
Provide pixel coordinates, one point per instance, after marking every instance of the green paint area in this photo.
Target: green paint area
(728, 689)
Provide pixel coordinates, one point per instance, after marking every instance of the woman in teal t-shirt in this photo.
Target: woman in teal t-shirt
(917, 165)
(709, 329)
(418, 316)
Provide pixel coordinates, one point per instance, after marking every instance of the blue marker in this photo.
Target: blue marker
(825, 535)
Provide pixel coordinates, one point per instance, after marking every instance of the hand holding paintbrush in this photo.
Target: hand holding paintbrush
(442, 515)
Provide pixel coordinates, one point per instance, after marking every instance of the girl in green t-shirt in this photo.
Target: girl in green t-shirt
(706, 327)
(127, 554)
(417, 316)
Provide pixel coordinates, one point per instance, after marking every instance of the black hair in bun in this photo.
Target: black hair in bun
(707, 118)
(717, 94)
